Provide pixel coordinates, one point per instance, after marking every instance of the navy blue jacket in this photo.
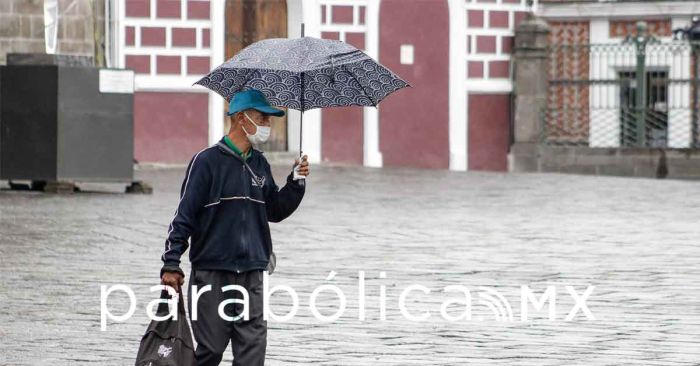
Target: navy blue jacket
(225, 205)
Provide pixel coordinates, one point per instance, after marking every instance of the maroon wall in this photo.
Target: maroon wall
(342, 128)
(414, 122)
(342, 135)
(489, 125)
(169, 127)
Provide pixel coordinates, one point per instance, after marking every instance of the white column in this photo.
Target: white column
(311, 138)
(604, 112)
(217, 44)
(679, 102)
(119, 34)
(295, 16)
(458, 122)
(372, 156)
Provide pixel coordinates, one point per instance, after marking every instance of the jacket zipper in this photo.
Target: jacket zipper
(246, 245)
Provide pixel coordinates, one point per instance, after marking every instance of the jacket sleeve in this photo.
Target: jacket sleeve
(193, 196)
(280, 203)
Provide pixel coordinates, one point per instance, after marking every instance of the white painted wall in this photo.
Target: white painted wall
(460, 84)
(458, 123)
(172, 83)
(604, 102)
(372, 156)
(308, 12)
(604, 112)
(295, 16)
(218, 43)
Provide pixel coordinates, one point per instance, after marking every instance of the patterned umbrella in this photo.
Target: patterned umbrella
(305, 73)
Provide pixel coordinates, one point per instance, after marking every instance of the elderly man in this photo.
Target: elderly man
(227, 198)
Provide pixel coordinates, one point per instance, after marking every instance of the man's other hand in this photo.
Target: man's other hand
(172, 279)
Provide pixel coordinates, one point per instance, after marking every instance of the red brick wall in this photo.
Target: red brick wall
(342, 130)
(568, 102)
(342, 135)
(138, 8)
(489, 126)
(155, 35)
(485, 58)
(169, 127)
(624, 28)
(414, 122)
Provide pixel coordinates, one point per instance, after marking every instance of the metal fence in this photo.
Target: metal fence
(637, 93)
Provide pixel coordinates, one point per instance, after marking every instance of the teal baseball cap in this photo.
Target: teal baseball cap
(252, 99)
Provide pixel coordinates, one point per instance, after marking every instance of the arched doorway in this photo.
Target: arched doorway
(248, 21)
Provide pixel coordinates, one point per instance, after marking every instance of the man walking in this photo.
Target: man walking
(226, 200)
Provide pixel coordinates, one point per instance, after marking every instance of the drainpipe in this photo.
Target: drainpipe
(640, 43)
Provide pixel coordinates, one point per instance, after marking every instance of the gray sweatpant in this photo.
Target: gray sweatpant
(212, 333)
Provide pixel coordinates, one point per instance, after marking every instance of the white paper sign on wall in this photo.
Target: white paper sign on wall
(50, 25)
(116, 81)
(407, 54)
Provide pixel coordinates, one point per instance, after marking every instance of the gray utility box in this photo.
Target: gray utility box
(57, 125)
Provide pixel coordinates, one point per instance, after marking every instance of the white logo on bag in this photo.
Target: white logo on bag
(164, 351)
(260, 182)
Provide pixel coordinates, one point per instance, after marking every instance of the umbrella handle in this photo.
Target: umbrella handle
(295, 171)
(301, 124)
(296, 175)
(301, 180)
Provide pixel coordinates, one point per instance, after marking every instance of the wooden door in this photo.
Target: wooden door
(248, 21)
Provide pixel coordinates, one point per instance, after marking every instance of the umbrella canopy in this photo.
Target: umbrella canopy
(305, 73)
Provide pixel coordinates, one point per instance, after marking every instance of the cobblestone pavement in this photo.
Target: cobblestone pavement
(635, 240)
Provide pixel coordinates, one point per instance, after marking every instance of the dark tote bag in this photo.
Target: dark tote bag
(167, 342)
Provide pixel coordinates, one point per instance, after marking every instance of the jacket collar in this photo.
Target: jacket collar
(226, 149)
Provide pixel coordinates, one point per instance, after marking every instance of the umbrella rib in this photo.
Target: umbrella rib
(248, 73)
(374, 104)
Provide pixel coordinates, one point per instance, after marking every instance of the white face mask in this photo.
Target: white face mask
(262, 133)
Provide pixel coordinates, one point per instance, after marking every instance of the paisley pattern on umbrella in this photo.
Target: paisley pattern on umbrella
(305, 73)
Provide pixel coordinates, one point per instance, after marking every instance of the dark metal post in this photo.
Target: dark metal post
(696, 79)
(301, 118)
(640, 43)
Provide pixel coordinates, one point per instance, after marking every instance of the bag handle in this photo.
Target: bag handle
(163, 308)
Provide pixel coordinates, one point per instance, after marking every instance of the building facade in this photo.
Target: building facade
(169, 44)
(455, 53)
(594, 88)
(608, 88)
(22, 27)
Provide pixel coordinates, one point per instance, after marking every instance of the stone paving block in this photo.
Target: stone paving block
(578, 169)
(634, 239)
(616, 170)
